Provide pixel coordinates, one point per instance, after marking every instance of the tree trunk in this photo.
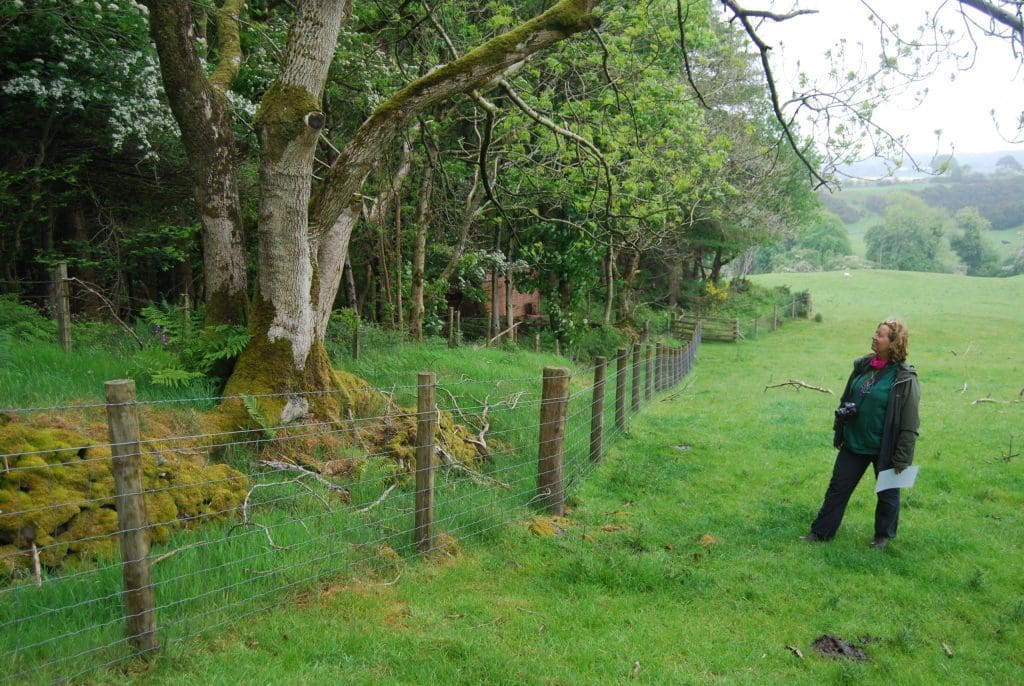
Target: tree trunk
(200, 107)
(609, 286)
(495, 313)
(420, 249)
(329, 251)
(473, 203)
(625, 304)
(399, 269)
(510, 308)
(716, 265)
(350, 286)
(672, 271)
(286, 354)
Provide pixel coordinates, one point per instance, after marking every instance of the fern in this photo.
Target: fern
(216, 343)
(252, 407)
(174, 378)
(167, 317)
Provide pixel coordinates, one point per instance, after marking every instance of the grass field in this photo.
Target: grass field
(680, 561)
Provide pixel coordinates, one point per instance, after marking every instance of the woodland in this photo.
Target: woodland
(281, 162)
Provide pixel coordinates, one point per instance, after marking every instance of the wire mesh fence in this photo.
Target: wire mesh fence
(126, 526)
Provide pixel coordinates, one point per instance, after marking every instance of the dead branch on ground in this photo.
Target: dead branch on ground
(800, 384)
(378, 501)
(303, 472)
(476, 477)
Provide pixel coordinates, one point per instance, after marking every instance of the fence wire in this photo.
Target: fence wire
(238, 521)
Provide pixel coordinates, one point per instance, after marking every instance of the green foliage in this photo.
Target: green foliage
(911, 238)
(195, 351)
(255, 412)
(972, 244)
(597, 340)
(827, 236)
(23, 322)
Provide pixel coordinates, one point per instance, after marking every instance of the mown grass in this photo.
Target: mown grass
(680, 561)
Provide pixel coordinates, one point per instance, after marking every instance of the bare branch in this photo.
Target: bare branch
(110, 306)
(681, 21)
(800, 384)
(277, 465)
(744, 16)
(378, 501)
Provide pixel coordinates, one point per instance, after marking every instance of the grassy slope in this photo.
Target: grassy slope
(630, 581)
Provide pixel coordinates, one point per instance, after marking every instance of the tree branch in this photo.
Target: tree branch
(997, 14)
(474, 70)
(800, 384)
(744, 16)
(229, 44)
(681, 21)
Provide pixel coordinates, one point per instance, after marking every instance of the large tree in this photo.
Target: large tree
(303, 235)
(200, 105)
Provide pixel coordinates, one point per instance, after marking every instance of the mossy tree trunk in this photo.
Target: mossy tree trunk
(303, 239)
(200, 107)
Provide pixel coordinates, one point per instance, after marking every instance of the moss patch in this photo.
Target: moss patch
(60, 496)
(281, 117)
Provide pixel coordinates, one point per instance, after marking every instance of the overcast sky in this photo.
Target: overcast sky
(960, 107)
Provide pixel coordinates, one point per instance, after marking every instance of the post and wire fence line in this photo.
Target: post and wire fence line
(170, 529)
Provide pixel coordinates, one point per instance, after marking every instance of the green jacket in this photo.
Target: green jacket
(902, 422)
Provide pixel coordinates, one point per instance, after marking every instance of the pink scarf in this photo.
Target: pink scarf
(878, 362)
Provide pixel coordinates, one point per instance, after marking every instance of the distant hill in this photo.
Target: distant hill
(977, 162)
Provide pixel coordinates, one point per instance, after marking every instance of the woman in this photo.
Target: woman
(876, 423)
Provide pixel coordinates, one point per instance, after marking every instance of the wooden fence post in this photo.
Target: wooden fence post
(755, 326)
(775, 317)
(186, 317)
(62, 305)
(636, 377)
(451, 327)
(659, 368)
(558, 347)
(736, 330)
(554, 405)
(622, 355)
(426, 425)
(536, 343)
(597, 409)
(458, 328)
(649, 381)
(356, 342)
(646, 337)
(139, 599)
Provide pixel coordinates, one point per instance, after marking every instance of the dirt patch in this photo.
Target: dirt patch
(837, 649)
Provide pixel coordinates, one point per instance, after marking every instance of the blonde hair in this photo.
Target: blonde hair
(899, 339)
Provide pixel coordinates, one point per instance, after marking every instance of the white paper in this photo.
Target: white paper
(890, 479)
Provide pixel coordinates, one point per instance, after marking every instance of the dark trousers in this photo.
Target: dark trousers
(846, 474)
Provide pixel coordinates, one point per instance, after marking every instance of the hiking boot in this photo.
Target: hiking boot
(880, 541)
(812, 537)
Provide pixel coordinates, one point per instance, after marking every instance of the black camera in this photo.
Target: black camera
(846, 412)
